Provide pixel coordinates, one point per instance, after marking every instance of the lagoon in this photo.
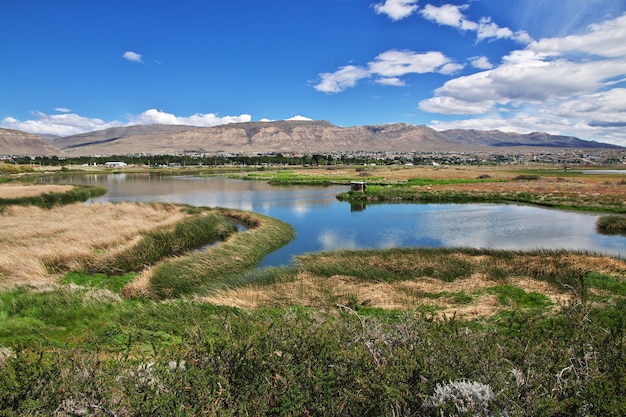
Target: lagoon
(324, 223)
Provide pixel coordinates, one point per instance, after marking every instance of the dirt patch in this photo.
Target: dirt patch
(20, 190)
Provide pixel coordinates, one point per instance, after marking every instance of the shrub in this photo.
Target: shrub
(462, 398)
(611, 224)
(526, 177)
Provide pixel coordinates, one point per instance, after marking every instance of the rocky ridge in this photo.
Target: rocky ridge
(288, 136)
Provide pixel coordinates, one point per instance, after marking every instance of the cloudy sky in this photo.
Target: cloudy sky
(559, 66)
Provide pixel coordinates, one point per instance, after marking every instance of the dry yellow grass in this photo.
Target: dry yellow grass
(21, 190)
(326, 293)
(447, 298)
(32, 238)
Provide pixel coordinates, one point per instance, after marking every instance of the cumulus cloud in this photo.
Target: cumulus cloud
(133, 56)
(62, 109)
(606, 39)
(396, 9)
(448, 15)
(481, 62)
(569, 85)
(154, 116)
(386, 68)
(541, 73)
(72, 124)
(393, 81)
(344, 77)
(57, 124)
(485, 28)
(299, 118)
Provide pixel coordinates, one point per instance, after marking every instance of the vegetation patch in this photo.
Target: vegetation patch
(46, 200)
(221, 265)
(518, 298)
(112, 239)
(79, 351)
(611, 224)
(462, 282)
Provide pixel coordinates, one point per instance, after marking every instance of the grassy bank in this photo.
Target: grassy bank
(78, 193)
(204, 271)
(554, 188)
(468, 283)
(388, 193)
(612, 225)
(157, 240)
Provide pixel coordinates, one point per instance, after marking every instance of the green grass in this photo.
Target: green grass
(72, 351)
(611, 224)
(114, 283)
(438, 181)
(605, 282)
(291, 177)
(77, 194)
(205, 271)
(518, 298)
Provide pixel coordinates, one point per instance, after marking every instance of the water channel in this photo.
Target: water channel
(324, 223)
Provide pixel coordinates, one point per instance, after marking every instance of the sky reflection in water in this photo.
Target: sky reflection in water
(323, 223)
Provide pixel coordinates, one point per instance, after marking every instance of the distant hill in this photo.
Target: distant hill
(496, 138)
(302, 136)
(16, 142)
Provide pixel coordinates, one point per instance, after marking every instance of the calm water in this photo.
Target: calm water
(321, 222)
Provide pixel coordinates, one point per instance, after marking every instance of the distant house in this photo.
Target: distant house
(115, 164)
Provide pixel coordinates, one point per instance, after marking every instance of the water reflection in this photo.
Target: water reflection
(323, 223)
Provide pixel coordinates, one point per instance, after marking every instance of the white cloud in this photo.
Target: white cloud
(72, 124)
(396, 9)
(344, 77)
(448, 15)
(451, 15)
(606, 39)
(57, 124)
(133, 56)
(62, 109)
(299, 118)
(481, 62)
(453, 105)
(154, 116)
(392, 81)
(570, 85)
(602, 109)
(387, 67)
(539, 74)
(395, 63)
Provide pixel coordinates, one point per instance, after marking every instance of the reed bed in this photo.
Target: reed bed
(204, 271)
(46, 196)
(465, 282)
(15, 190)
(34, 240)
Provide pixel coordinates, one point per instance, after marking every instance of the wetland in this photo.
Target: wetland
(515, 292)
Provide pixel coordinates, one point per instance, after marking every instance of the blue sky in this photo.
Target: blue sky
(559, 66)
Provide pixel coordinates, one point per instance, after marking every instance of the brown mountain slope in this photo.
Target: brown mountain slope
(301, 136)
(283, 136)
(16, 142)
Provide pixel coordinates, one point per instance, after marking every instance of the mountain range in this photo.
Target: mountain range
(281, 136)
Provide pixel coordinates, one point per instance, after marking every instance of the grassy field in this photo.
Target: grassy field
(110, 310)
(545, 186)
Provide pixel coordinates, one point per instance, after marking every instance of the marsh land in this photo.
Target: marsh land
(110, 309)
